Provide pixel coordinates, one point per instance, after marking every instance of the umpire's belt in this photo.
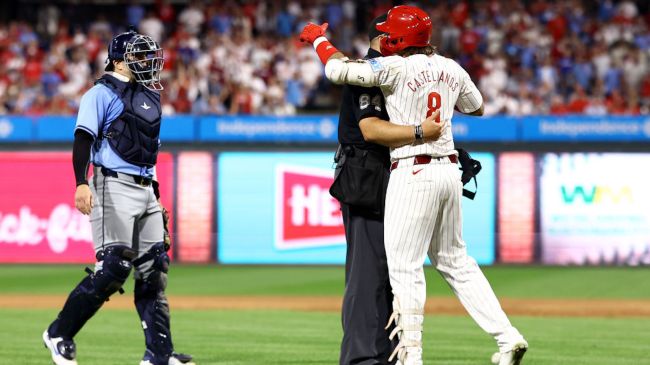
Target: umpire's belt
(136, 179)
(424, 159)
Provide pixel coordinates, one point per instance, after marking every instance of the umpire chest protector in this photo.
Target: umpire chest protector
(134, 134)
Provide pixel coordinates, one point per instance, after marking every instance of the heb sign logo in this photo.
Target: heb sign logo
(307, 215)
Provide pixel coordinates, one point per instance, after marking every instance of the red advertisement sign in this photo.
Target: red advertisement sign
(194, 213)
(308, 215)
(517, 205)
(38, 220)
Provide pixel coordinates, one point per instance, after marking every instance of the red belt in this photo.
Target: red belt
(425, 159)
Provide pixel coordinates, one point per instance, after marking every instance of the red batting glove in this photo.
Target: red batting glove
(312, 31)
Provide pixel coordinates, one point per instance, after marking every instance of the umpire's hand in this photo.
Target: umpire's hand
(83, 199)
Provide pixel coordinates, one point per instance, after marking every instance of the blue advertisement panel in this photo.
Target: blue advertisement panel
(55, 128)
(479, 215)
(320, 128)
(594, 209)
(585, 128)
(177, 128)
(61, 128)
(486, 129)
(15, 129)
(275, 208)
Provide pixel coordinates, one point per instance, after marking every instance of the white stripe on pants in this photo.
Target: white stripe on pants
(423, 215)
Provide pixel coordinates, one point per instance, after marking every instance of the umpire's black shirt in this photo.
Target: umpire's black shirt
(359, 103)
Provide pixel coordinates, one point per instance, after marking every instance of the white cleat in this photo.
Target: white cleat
(63, 352)
(512, 357)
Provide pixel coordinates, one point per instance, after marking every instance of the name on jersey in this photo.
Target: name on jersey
(427, 76)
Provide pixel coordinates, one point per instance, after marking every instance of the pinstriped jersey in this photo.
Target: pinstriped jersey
(417, 86)
(414, 87)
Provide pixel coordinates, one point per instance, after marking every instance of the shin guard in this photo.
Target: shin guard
(114, 266)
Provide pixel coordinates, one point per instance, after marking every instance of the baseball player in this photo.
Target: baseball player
(423, 213)
(117, 128)
(364, 133)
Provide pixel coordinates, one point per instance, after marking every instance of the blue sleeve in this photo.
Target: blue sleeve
(93, 109)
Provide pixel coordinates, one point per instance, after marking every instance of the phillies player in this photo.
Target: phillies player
(423, 202)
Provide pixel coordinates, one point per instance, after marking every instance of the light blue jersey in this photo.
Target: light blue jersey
(98, 108)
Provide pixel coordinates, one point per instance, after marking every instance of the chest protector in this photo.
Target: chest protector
(134, 134)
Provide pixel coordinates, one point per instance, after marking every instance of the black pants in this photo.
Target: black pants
(367, 303)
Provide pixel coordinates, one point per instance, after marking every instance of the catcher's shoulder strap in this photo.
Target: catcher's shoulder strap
(470, 168)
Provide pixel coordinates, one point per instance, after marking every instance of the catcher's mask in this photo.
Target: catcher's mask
(144, 58)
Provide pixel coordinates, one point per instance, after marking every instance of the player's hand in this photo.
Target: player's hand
(83, 199)
(431, 130)
(312, 31)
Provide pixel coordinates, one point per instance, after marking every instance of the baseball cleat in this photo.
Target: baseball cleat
(512, 357)
(175, 359)
(63, 351)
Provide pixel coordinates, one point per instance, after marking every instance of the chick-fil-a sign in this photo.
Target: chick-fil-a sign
(38, 220)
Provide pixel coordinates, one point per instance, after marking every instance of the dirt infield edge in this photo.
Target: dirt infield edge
(435, 305)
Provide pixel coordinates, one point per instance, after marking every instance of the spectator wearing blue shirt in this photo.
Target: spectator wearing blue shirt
(612, 80)
(134, 13)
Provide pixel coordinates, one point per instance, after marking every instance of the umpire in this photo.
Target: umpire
(118, 129)
(367, 303)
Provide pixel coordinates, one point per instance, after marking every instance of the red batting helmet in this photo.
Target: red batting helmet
(406, 26)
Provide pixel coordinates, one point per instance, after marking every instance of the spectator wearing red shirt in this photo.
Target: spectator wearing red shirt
(469, 39)
(578, 102)
(557, 24)
(166, 11)
(558, 107)
(459, 14)
(616, 104)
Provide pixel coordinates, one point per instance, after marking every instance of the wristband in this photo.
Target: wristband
(85, 182)
(324, 49)
(419, 134)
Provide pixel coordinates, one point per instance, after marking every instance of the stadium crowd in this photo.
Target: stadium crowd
(243, 57)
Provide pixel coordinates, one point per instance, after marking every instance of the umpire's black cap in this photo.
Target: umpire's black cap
(372, 30)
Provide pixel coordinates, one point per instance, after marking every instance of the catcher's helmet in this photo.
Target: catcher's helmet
(117, 47)
(406, 26)
(141, 54)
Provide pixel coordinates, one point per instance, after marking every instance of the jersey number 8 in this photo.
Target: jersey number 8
(434, 104)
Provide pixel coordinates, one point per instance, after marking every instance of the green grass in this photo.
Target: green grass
(304, 338)
(282, 337)
(508, 281)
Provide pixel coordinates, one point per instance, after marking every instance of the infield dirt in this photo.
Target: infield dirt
(435, 305)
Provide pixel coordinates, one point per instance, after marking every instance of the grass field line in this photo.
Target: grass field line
(435, 305)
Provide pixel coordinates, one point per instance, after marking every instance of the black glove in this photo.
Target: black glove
(470, 168)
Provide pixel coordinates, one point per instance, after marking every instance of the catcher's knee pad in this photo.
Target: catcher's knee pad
(114, 267)
(153, 309)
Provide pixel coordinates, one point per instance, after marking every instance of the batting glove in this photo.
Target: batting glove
(312, 31)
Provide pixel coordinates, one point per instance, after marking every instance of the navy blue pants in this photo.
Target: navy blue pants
(367, 303)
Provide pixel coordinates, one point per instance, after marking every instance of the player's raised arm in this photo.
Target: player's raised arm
(338, 68)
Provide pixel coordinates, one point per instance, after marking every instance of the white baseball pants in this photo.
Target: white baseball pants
(423, 216)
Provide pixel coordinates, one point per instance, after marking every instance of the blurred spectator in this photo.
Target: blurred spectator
(152, 26)
(192, 18)
(579, 101)
(134, 13)
(596, 106)
(241, 57)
